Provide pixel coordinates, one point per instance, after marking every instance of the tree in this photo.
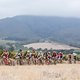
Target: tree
(11, 48)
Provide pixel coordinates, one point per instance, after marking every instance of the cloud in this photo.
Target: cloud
(67, 8)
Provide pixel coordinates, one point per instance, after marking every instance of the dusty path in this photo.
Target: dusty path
(46, 72)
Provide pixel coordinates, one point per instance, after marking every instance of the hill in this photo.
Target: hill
(36, 28)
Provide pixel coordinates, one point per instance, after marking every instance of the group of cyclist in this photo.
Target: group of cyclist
(35, 58)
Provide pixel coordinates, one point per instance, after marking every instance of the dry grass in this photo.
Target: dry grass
(49, 46)
(36, 72)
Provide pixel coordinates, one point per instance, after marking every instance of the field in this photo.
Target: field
(2, 42)
(48, 45)
(45, 72)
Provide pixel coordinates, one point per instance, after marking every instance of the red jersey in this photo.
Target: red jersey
(60, 54)
(54, 54)
(5, 55)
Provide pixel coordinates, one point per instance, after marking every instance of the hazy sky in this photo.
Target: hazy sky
(65, 8)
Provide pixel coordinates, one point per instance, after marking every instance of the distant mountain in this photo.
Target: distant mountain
(35, 28)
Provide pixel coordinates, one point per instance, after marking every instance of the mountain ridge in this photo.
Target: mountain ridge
(34, 28)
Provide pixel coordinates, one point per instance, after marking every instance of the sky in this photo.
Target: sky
(62, 8)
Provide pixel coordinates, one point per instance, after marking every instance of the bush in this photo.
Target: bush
(1, 52)
(12, 54)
